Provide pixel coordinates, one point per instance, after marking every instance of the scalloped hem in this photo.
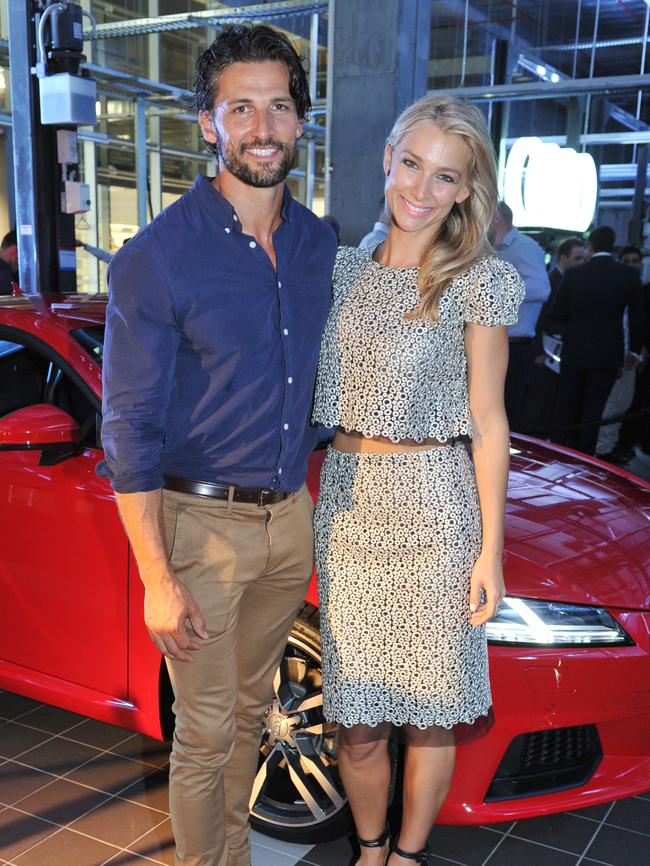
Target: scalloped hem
(400, 722)
(465, 431)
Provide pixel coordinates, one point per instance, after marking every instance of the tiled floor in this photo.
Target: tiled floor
(75, 792)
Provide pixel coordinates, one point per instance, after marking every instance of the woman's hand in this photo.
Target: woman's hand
(487, 575)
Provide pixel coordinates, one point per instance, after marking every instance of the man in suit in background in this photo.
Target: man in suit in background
(541, 400)
(589, 307)
(528, 258)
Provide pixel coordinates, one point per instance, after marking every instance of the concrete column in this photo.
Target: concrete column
(378, 62)
(155, 134)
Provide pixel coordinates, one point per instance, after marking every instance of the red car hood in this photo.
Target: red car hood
(576, 529)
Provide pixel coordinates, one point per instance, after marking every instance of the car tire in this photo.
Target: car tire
(298, 796)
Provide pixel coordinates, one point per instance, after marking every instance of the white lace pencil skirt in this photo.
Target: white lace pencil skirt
(397, 536)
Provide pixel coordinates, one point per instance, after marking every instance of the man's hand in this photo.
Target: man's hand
(487, 575)
(167, 607)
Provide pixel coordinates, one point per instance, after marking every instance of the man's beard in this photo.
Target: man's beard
(266, 175)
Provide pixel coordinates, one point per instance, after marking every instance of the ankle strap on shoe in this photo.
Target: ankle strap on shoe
(375, 843)
(417, 856)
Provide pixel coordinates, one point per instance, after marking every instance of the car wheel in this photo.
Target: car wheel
(297, 795)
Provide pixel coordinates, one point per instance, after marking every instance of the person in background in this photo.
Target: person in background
(379, 230)
(528, 258)
(631, 391)
(589, 308)
(540, 404)
(334, 224)
(571, 252)
(8, 262)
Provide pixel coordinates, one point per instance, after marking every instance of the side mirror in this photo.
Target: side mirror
(41, 427)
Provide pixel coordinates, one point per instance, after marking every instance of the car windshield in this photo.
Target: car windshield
(92, 339)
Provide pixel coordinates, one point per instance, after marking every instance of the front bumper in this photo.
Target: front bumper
(594, 705)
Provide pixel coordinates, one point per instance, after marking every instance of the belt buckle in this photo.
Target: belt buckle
(260, 497)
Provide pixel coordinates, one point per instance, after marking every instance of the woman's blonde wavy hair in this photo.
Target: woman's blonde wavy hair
(462, 239)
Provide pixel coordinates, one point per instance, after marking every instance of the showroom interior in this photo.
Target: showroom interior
(77, 790)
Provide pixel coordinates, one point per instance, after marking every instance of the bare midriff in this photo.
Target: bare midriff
(350, 440)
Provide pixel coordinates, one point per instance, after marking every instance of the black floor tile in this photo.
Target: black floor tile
(98, 734)
(62, 802)
(58, 756)
(110, 773)
(330, 853)
(16, 739)
(119, 822)
(51, 719)
(516, 852)
(596, 813)
(125, 858)
(151, 791)
(66, 848)
(18, 832)
(144, 749)
(562, 830)
(12, 705)
(17, 781)
(158, 844)
(469, 845)
(631, 814)
(619, 847)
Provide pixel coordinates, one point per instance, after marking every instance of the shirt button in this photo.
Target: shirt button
(285, 332)
(290, 380)
(279, 470)
(252, 245)
(286, 426)
(234, 216)
(279, 284)
(227, 231)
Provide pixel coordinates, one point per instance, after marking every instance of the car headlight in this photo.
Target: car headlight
(532, 622)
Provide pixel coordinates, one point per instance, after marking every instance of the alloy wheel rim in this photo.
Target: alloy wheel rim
(297, 783)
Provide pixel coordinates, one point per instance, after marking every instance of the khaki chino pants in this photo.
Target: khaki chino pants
(248, 568)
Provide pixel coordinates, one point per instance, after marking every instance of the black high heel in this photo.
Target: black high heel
(421, 857)
(379, 842)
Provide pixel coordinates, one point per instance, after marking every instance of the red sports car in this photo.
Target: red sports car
(570, 649)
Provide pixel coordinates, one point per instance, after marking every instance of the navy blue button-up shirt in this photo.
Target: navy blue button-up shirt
(210, 355)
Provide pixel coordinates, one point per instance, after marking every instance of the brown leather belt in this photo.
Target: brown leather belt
(254, 496)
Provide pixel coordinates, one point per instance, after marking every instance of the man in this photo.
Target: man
(571, 252)
(632, 388)
(528, 258)
(8, 262)
(379, 231)
(589, 307)
(211, 362)
(540, 405)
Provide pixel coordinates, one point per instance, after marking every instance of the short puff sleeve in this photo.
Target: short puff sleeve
(496, 292)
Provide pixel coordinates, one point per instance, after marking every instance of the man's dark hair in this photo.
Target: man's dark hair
(240, 44)
(9, 240)
(568, 245)
(630, 249)
(506, 212)
(602, 239)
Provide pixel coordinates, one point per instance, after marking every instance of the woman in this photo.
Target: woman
(409, 533)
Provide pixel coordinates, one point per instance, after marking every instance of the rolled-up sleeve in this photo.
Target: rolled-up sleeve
(142, 337)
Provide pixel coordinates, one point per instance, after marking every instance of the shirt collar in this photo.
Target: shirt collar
(508, 239)
(595, 255)
(208, 193)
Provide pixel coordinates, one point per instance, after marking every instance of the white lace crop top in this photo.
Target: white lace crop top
(382, 375)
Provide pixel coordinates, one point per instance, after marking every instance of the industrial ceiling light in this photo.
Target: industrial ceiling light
(548, 186)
